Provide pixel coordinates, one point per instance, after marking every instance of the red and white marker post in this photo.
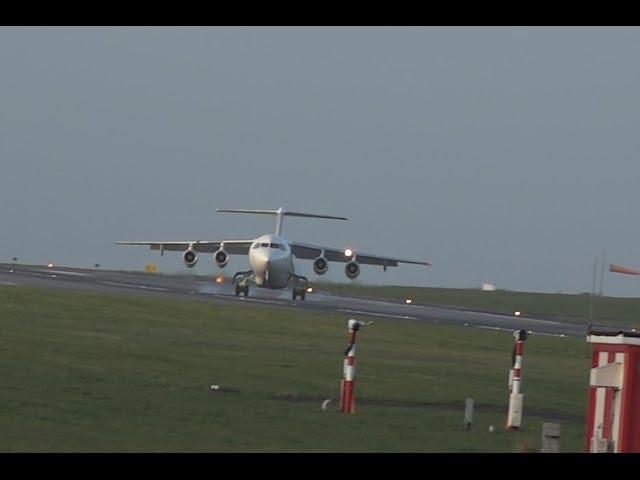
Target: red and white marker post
(514, 417)
(347, 393)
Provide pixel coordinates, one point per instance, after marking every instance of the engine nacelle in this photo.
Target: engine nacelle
(320, 265)
(190, 258)
(352, 269)
(221, 258)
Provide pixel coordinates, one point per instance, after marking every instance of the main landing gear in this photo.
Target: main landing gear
(244, 289)
(300, 287)
(243, 285)
(298, 292)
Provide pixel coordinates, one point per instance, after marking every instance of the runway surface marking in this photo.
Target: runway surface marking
(493, 328)
(512, 317)
(550, 334)
(131, 285)
(362, 312)
(34, 274)
(63, 272)
(259, 300)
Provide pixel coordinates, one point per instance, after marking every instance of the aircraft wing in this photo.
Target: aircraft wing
(232, 247)
(308, 251)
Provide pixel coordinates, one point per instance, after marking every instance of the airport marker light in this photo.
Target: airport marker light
(347, 391)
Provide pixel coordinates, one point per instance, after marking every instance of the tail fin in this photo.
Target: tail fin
(279, 213)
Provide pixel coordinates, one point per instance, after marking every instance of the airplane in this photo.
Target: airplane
(271, 255)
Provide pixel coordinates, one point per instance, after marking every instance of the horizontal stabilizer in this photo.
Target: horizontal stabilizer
(279, 213)
(312, 215)
(240, 210)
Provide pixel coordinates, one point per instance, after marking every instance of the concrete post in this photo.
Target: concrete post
(550, 438)
(468, 413)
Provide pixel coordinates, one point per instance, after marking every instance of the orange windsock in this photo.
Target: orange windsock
(619, 269)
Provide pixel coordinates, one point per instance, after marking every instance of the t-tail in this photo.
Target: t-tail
(279, 213)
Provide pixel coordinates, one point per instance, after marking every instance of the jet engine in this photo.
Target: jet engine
(190, 258)
(320, 265)
(221, 258)
(352, 269)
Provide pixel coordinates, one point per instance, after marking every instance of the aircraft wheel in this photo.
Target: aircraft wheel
(302, 294)
(246, 291)
(294, 294)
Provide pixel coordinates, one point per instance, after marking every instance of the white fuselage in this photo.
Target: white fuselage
(271, 260)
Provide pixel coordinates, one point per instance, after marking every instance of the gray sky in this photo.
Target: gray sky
(502, 155)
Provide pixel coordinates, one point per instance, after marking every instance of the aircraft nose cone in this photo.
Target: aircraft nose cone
(263, 261)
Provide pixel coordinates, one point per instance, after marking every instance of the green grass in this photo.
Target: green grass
(96, 372)
(571, 308)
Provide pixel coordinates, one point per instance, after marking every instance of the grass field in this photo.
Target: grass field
(97, 372)
(566, 307)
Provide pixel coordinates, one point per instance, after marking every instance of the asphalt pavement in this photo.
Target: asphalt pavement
(206, 289)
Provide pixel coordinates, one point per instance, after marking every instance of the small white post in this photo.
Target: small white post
(550, 438)
(468, 413)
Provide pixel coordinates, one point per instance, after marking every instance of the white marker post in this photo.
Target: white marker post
(550, 438)
(468, 413)
(347, 393)
(514, 417)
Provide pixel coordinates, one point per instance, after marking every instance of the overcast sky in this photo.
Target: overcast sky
(502, 155)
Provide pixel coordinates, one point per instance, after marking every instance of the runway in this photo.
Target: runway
(205, 289)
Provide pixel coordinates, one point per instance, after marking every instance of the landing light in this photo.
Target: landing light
(50, 265)
(408, 301)
(219, 279)
(517, 313)
(348, 252)
(309, 290)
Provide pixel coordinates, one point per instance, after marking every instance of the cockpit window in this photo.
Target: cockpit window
(279, 246)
